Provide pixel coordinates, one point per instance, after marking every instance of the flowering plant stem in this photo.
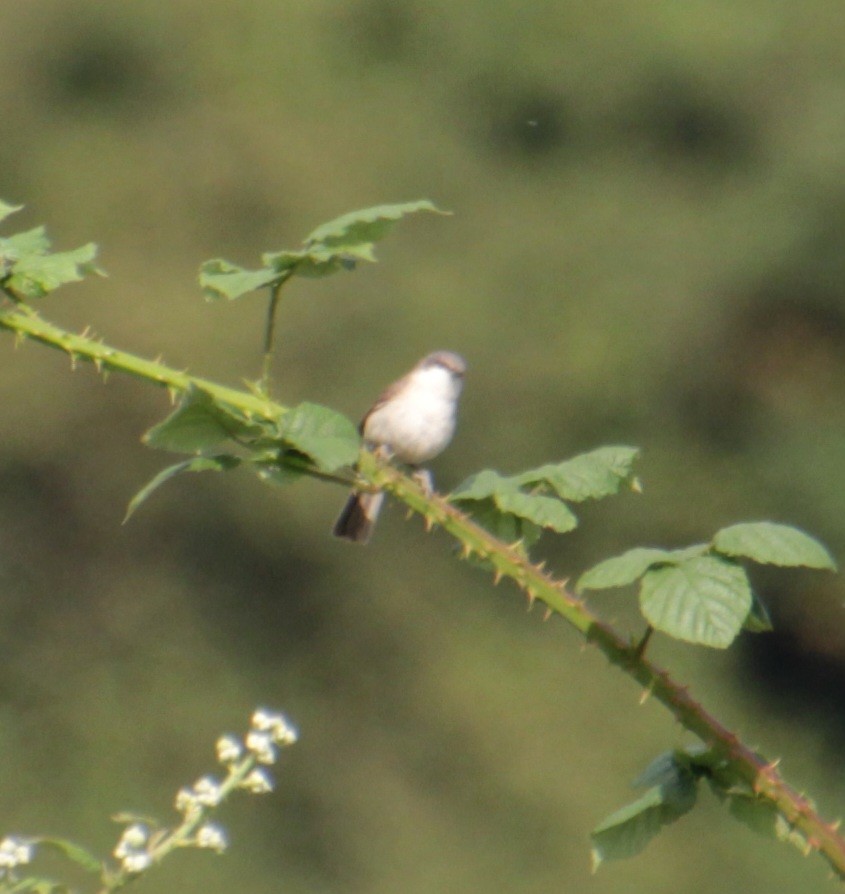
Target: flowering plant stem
(507, 560)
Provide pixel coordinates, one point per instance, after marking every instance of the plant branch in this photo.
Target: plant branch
(26, 323)
(270, 332)
(507, 560)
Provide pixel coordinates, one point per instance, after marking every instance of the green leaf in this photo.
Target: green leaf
(482, 485)
(328, 437)
(220, 279)
(662, 770)
(626, 832)
(30, 242)
(546, 512)
(33, 271)
(619, 571)
(6, 209)
(362, 228)
(316, 262)
(589, 476)
(199, 423)
(221, 463)
(703, 600)
(279, 467)
(72, 851)
(758, 814)
(509, 500)
(773, 544)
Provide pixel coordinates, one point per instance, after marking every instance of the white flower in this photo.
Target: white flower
(14, 852)
(262, 719)
(258, 782)
(229, 749)
(186, 801)
(280, 728)
(135, 836)
(133, 839)
(207, 791)
(212, 837)
(137, 862)
(260, 743)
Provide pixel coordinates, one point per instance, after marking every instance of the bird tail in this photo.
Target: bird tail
(358, 517)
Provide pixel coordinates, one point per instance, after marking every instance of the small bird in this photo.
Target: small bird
(413, 420)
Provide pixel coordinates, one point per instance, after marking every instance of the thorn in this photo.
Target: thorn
(106, 374)
(74, 360)
(531, 599)
(547, 613)
(498, 574)
(428, 523)
(540, 567)
(646, 695)
(772, 766)
(174, 394)
(98, 364)
(466, 550)
(85, 332)
(834, 826)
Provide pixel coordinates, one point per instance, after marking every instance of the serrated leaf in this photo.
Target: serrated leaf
(704, 600)
(619, 571)
(546, 512)
(758, 814)
(626, 832)
(74, 852)
(199, 423)
(316, 262)
(326, 436)
(221, 279)
(589, 476)
(663, 769)
(220, 463)
(364, 227)
(30, 242)
(6, 209)
(35, 272)
(482, 485)
(773, 544)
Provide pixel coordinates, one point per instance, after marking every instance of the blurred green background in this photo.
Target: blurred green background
(647, 248)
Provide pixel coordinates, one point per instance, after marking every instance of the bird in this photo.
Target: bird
(413, 420)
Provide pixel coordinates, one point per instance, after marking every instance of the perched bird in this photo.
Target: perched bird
(413, 420)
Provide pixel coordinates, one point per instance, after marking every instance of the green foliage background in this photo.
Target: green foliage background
(646, 248)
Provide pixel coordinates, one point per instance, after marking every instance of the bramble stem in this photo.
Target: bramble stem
(507, 560)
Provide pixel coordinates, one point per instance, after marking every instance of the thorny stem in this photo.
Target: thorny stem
(507, 560)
